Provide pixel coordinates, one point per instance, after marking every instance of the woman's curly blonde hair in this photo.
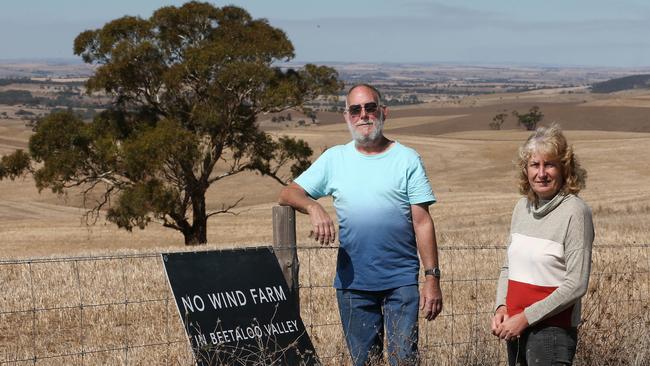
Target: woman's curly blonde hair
(550, 141)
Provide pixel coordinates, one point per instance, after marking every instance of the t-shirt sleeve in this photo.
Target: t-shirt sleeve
(419, 188)
(315, 180)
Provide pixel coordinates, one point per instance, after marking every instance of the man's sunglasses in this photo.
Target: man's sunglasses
(355, 109)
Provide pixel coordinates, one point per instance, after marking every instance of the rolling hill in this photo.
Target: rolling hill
(624, 83)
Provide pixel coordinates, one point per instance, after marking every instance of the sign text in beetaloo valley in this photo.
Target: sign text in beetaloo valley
(237, 309)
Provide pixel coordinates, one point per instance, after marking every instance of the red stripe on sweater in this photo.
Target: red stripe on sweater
(521, 295)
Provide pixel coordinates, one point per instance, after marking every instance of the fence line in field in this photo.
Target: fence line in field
(86, 310)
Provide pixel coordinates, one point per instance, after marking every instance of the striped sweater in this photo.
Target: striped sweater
(546, 271)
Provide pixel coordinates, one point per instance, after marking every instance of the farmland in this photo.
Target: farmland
(469, 165)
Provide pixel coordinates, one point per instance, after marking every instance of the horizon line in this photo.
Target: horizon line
(78, 60)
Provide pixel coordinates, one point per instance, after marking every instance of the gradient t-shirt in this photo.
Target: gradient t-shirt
(372, 195)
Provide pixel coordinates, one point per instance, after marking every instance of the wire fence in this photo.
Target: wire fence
(119, 310)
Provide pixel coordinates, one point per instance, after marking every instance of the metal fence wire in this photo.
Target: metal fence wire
(119, 310)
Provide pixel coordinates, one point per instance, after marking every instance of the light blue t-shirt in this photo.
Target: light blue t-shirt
(372, 195)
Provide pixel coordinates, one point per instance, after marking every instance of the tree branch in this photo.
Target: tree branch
(226, 209)
(233, 171)
(92, 215)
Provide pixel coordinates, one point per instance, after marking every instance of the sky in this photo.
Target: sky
(611, 33)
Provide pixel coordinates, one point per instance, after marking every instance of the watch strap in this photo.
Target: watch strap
(435, 272)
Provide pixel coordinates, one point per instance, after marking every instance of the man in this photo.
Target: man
(382, 197)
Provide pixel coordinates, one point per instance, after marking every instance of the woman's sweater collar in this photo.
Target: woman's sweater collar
(546, 206)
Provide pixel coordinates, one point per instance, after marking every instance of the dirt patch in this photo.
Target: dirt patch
(571, 116)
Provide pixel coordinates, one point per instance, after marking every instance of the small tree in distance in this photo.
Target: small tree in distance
(498, 120)
(531, 119)
(187, 86)
(311, 115)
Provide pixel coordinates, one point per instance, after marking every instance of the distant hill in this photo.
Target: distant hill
(624, 83)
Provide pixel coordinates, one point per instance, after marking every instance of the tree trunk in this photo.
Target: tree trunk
(197, 234)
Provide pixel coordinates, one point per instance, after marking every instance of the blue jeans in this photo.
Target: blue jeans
(365, 315)
(543, 345)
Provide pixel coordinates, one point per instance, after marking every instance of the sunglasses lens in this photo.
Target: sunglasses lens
(370, 107)
(355, 109)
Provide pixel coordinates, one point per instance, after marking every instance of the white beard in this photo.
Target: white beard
(374, 135)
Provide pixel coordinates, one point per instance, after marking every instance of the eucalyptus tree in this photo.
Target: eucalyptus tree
(187, 86)
(531, 119)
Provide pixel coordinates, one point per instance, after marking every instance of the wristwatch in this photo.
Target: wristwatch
(435, 272)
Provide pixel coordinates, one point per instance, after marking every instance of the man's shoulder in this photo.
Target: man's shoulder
(335, 149)
(406, 152)
(341, 147)
(403, 147)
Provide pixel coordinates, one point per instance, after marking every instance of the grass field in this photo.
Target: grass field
(470, 168)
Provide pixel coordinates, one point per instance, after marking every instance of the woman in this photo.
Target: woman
(546, 271)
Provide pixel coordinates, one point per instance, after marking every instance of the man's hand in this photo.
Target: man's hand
(512, 327)
(431, 298)
(499, 317)
(322, 226)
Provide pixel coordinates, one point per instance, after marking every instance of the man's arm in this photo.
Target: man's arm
(425, 234)
(322, 225)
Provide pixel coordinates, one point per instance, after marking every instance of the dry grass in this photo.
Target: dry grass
(90, 305)
(472, 176)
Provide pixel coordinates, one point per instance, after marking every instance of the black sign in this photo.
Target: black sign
(237, 308)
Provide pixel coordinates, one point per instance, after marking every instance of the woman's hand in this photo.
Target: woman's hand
(512, 327)
(499, 317)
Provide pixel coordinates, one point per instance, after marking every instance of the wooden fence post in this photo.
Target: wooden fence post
(284, 244)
